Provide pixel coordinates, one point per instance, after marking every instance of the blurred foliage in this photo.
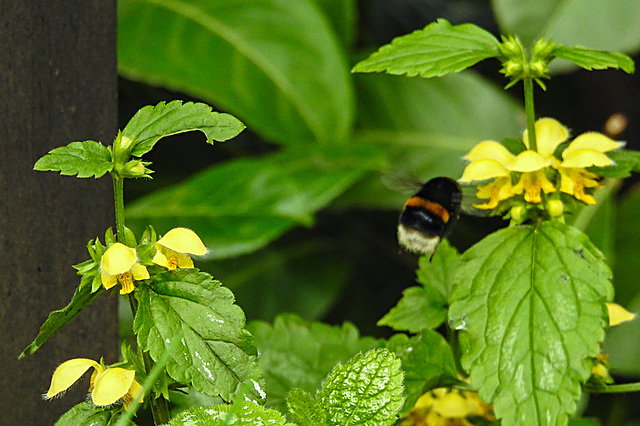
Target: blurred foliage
(294, 211)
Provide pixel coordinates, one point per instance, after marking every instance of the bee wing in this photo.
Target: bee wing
(401, 182)
(469, 198)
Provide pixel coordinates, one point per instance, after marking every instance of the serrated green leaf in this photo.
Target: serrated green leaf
(244, 204)
(427, 362)
(276, 64)
(529, 305)
(82, 159)
(152, 123)
(590, 59)
(367, 390)
(295, 353)
(82, 297)
(626, 162)
(240, 413)
(88, 414)
(216, 354)
(302, 405)
(438, 49)
(420, 308)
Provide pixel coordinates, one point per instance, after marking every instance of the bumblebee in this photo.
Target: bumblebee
(428, 216)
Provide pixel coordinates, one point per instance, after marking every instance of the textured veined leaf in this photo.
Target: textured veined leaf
(152, 123)
(82, 159)
(595, 59)
(438, 49)
(241, 413)
(365, 391)
(529, 305)
(216, 353)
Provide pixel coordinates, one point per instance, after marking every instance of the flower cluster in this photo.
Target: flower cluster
(448, 407)
(555, 167)
(121, 264)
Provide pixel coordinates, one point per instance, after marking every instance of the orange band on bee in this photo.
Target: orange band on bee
(431, 206)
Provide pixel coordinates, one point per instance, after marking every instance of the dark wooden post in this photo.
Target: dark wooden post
(58, 84)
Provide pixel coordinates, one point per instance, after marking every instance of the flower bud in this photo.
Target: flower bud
(555, 207)
(543, 49)
(136, 169)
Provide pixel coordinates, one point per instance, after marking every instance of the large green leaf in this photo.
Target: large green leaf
(216, 354)
(438, 49)
(275, 64)
(529, 304)
(243, 205)
(367, 390)
(241, 413)
(295, 353)
(596, 24)
(88, 414)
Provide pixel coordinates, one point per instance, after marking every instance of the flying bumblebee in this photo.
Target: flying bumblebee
(428, 215)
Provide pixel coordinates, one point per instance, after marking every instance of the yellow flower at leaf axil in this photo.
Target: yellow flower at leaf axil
(176, 246)
(120, 264)
(448, 407)
(107, 386)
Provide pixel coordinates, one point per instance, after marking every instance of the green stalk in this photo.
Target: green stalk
(159, 407)
(531, 115)
(623, 388)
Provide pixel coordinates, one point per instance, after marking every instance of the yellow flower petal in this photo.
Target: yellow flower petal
(183, 240)
(160, 258)
(592, 140)
(549, 134)
(108, 281)
(618, 314)
(118, 259)
(68, 373)
(490, 150)
(585, 158)
(135, 391)
(139, 272)
(529, 161)
(496, 191)
(111, 385)
(482, 170)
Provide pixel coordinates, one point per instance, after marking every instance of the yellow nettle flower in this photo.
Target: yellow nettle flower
(107, 385)
(447, 407)
(618, 314)
(120, 264)
(175, 247)
(491, 160)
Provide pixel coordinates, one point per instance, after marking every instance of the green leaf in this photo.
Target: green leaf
(216, 354)
(295, 353)
(240, 413)
(427, 362)
(243, 205)
(152, 123)
(302, 405)
(529, 305)
(365, 391)
(82, 297)
(84, 159)
(595, 59)
(88, 414)
(342, 17)
(610, 26)
(276, 64)
(425, 308)
(438, 49)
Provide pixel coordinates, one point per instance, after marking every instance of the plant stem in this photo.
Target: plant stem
(530, 111)
(623, 388)
(159, 407)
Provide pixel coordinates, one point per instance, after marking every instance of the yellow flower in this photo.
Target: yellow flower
(120, 264)
(618, 314)
(107, 386)
(447, 407)
(175, 247)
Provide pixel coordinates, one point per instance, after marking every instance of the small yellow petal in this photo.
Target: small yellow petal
(139, 272)
(184, 261)
(549, 134)
(529, 161)
(118, 259)
(108, 281)
(585, 158)
(111, 385)
(482, 170)
(136, 390)
(68, 373)
(183, 240)
(618, 314)
(592, 140)
(490, 150)
(160, 258)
